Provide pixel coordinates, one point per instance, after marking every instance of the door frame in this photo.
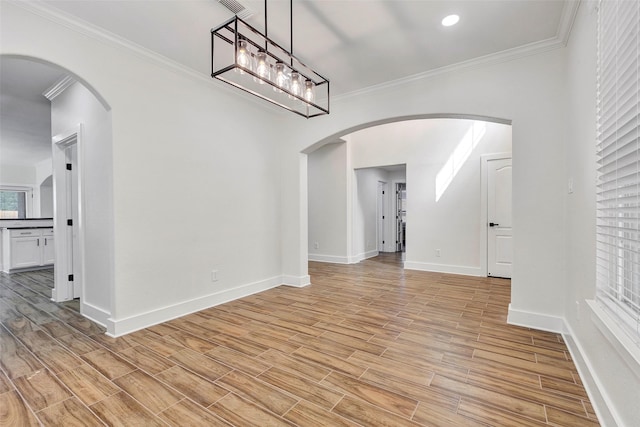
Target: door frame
(484, 206)
(63, 288)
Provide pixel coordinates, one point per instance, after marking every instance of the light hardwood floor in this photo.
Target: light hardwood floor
(367, 344)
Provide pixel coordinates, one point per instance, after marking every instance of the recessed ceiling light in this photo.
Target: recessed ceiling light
(450, 20)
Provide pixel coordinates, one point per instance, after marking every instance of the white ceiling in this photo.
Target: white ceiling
(354, 43)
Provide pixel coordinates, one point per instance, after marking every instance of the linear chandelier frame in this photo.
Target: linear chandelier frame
(247, 59)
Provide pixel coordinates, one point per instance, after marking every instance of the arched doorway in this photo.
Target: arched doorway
(458, 141)
(78, 139)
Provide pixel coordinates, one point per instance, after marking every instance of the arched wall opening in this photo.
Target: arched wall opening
(447, 224)
(81, 187)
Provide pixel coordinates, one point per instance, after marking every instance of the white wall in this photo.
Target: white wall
(17, 175)
(14, 170)
(46, 198)
(13, 110)
(327, 187)
(530, 92)
(452, 223)
(44, 182)
(176, 140)
(365, 212)
(77, 105)
(618, 381)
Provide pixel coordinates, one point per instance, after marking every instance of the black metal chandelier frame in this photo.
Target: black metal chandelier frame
(225, 66)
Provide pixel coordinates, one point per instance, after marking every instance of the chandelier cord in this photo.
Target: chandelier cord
(266, 33)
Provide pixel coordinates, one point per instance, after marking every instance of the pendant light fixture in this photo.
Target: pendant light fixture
(247, 59)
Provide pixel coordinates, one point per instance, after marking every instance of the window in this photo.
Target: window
(618, 155)
(13, 204)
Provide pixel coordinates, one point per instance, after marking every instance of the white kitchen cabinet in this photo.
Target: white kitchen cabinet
(27, 248)
(48, 250)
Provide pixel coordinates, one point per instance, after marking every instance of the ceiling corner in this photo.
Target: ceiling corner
(567, 19)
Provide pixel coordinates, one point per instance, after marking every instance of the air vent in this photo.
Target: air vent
(237, 9)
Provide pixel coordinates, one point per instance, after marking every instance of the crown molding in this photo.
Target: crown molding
(482, 61)
(76, 24)
(560, 40)
(58, 87)
(73, 23)
(567, 19)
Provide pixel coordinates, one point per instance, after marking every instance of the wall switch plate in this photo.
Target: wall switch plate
(214, 275)
(437, 252)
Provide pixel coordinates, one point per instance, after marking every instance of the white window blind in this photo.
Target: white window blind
(618, 155)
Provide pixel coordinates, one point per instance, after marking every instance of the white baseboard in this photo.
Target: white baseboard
(119, 327)
(529, 319)
(94, 313)
(443, 268)
(296, 282)
(334, 259)
(600, 401)
(362, 256)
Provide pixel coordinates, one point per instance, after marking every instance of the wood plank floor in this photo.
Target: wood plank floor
(366, 345)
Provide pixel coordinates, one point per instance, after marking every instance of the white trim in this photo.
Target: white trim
(119, 327)
(85, 28)
(602, 404)
(559, 41)
(443, 268)
(569, 12)
(94, 313)
(484, 194)
(296, 282)
(58, 88)
(362, 256)
(63, 289)
(73, 23)
(616, 336)
(334, 259)
(529, 319)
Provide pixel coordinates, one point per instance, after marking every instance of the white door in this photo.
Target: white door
(71, 154)
(499, 232)
(381, 214)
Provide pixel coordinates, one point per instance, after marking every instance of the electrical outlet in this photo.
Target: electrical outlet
(316, 245)
(570, 186)
(214, 275)
(437, 252)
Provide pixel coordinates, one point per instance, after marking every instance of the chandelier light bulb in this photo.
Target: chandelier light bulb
(309, 91)
(263, 69)
(296, 87)
(243, 57)
(281, 77)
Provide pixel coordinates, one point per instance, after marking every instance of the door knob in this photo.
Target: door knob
(493, 224)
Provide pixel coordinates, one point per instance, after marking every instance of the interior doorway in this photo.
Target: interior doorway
(69, 271)
(499, 226)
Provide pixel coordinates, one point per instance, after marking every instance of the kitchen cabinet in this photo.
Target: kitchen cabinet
(30, 248)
